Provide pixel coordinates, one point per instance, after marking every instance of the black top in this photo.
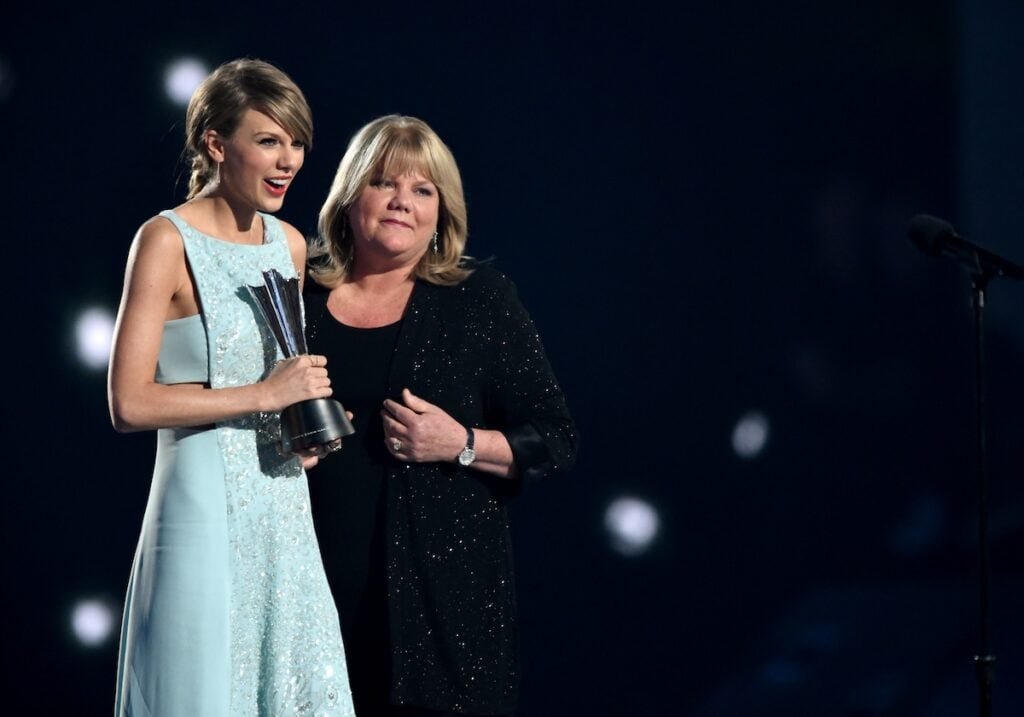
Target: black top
(348, 501)
(472, 350)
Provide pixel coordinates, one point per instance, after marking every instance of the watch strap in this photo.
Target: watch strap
(468, 454)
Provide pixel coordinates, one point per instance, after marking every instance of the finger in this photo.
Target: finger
(395, 446)
(400, 412)
(309, 462)
(322, 390)
(319, 360)
(415, 402)
(393, 428)
(320, 374)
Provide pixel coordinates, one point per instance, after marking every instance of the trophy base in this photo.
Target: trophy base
(313, 423)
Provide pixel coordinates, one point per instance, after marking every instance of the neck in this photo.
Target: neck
(380, 281)
(381, 275)
(228, 220)
(368, 299)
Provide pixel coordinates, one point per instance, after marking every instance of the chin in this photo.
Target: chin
(271, 206)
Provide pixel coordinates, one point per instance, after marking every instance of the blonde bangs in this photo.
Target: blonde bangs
(293, 114)
(395, 153)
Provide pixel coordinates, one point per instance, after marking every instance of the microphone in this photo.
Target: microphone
(936, 236)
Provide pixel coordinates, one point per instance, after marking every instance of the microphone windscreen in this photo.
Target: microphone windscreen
(929, 232)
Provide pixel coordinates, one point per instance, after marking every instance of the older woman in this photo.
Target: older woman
(455, 407)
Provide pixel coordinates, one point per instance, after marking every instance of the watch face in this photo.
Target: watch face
(467, 456)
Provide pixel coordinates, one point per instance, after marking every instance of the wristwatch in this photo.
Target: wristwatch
(467, 455)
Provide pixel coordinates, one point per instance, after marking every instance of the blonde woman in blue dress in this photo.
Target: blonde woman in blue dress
(228, 611)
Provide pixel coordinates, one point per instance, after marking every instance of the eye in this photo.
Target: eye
(382, 183)
(425, 191)
(299, 144)
(268, 141)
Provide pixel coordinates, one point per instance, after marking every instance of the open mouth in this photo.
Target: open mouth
(276, 186)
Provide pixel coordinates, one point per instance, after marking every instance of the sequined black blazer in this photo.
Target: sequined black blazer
(472, 350)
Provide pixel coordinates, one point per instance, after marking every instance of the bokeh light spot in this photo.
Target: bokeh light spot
(182, 77)
(92, 621)
(632, 525)
(93, 332)
(750, 434)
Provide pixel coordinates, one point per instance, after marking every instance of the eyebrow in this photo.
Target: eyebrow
(424, 180)
(377, 176)
(277, 134)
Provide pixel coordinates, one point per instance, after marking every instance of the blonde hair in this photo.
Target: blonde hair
(389, 145)
(221, 100)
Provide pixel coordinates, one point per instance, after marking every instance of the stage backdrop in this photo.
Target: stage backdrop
(705, 210)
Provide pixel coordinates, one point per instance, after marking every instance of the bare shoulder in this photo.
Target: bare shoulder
(158, 235)
(296, 247)
(156, 267)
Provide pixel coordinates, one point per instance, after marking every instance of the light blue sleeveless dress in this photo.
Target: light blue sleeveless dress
(228, 611)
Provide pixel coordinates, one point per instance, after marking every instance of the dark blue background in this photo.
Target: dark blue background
(705, 211)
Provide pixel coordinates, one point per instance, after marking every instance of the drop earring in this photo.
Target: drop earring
(435, 242)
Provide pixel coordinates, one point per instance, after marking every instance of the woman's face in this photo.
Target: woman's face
(257, 162)
(395, 217)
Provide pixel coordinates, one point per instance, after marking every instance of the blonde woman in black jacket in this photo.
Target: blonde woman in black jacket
(456, 406)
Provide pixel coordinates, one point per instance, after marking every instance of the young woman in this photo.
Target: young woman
(228, 609)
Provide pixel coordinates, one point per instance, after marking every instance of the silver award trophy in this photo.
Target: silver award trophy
(314, 422)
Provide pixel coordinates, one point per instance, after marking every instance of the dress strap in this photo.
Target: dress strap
(272, 229)
(176, 220)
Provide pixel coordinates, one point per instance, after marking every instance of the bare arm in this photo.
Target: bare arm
(157, 288)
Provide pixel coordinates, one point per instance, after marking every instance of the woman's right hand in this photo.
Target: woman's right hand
(296, 379)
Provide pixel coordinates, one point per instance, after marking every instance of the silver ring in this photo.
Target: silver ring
(396, 445)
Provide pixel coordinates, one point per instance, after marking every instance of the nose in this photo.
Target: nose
(401, 199)
(290, 158)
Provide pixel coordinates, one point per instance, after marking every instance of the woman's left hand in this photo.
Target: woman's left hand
(311, 456)
(419, 431)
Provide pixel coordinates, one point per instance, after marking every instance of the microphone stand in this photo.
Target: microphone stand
(984, 662)
(936, 236)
